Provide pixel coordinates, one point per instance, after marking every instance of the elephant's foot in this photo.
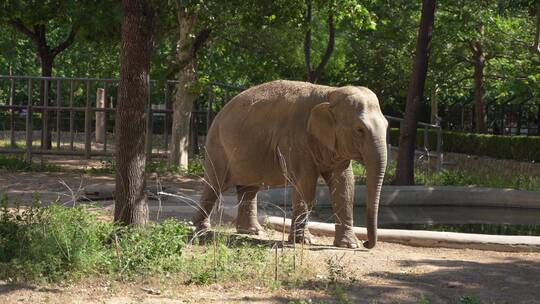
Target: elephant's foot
(249, 226)
(201, 224)
(301, 237)
(345, 237)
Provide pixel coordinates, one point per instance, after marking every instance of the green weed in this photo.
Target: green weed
(58, 243)
(14, 163)
(455, 178)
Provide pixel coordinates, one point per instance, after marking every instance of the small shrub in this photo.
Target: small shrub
(58, 243)
(50, 244)
(14, 163)
(517, 147)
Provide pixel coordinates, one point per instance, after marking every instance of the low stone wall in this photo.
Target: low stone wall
(424, 196)
(426, 238)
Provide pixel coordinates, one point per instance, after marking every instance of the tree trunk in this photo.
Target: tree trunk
(415, 94)
(479, 88)
(314, 74)
(185, 97)
(46, 60)
(133, 90)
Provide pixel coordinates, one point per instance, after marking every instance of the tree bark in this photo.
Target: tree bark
(314, 74)
(415, 94)
(133, 90)
(479, 88)
(184, 97)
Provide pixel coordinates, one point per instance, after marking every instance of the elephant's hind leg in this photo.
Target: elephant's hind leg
(246, 220)
(303, 198)
(201, 219)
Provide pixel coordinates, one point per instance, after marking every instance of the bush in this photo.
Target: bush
(57, 243)
(13, 163)
(522, 148)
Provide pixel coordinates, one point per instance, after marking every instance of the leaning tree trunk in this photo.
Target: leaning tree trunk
(479, 88)
(133, 90)
(415, 95)
(314, 74)
(46, 59)
(185, 96)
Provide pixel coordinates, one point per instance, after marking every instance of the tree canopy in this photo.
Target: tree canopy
(253, 41)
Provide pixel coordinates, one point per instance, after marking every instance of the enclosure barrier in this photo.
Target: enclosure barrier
(43, 100)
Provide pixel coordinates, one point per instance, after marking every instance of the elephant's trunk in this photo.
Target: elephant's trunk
(376, 166)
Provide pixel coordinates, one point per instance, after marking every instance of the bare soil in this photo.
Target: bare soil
(389, 273)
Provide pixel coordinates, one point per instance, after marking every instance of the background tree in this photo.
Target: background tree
(133, 92)
(407, 134)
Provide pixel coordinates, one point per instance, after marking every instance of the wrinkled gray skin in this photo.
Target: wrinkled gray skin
(289, 132)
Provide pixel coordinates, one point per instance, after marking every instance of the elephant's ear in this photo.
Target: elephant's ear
(321, 124)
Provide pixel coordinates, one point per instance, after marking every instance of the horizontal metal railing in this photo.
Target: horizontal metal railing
(64, 100)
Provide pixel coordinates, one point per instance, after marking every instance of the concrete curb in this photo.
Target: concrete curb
(423, 238)
(425, 196)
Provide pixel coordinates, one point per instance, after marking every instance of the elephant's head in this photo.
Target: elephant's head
(352, 125)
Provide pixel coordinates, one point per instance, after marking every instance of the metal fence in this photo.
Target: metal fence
(65, 116)
(505, 118)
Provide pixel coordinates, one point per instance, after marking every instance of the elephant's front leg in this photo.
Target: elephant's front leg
(341, 184)
(303, 198)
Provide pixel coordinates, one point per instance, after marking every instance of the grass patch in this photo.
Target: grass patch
(58, 244)
(195, 167)
(14, 163)
(456, 178)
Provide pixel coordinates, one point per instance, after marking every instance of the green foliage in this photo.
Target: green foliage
(469, 300)
(151, 250)
(222, 261)
(50, 244)
(13, 163)
(195, 167)
(58, 243)
(523, 148)
(456, 178)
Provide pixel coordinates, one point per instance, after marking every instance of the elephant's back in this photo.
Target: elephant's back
(250, 127)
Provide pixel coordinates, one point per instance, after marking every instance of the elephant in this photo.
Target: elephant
(290, 133)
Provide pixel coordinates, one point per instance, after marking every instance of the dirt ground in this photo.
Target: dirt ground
(390, 273)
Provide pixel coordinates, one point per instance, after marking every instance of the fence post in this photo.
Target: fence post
(87, 124)
(71, 115)
(426, 138)
(45, 117)
(439, 149)
(105, 116)
(166, 115)
(209, 113)
(100, 116)
(29, 131)
(389, 144)
(12, 116)
(149, 114)
(58, 105)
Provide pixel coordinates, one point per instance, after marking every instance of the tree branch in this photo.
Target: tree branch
(19, 26)
(307, 41)
(66, 43)
(536, 45)
(200, 40)
(329, 47)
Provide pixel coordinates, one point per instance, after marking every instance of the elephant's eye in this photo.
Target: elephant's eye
(360, 131)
